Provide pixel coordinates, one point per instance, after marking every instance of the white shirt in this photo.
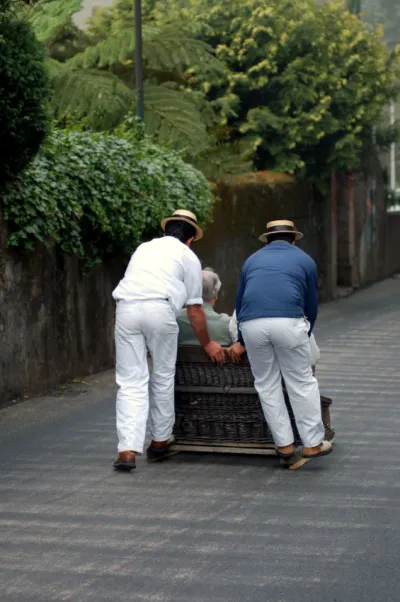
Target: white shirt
(163, 268)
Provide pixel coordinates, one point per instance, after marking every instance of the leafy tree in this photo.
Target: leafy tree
(304, 81)
(52, 23)
(50, 17)
(24, 92)
(297, 85)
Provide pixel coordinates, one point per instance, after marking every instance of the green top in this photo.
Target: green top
(218, 328)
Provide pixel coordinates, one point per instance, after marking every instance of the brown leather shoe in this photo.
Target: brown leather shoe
(160, 450)
(296, 461)
(286, 452)
(323, 449)
(125, 461)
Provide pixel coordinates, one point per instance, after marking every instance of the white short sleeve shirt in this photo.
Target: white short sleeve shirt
(163, 268)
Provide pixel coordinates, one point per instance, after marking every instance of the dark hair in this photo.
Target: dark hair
(287, 237)
(180, 230)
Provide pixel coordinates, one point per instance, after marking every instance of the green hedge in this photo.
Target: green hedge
(97, 194)
(24, 92)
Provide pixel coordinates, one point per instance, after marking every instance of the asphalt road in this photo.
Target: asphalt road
(213, 528)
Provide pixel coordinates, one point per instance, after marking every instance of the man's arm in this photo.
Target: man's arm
(236, 351)
(193, 280)
(311, 299)
(198, 321)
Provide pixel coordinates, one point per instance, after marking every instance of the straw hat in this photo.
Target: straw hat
(282, 226)
(181, 215)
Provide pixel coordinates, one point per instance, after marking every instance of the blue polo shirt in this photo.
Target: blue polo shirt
(279, 281)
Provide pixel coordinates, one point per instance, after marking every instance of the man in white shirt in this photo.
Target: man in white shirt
(163, 276)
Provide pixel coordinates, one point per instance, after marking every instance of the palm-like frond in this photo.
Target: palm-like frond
(106, 53)
(54, 68)
(225, 158)
(97, 84)
(49, 17)
(165, 49)
(169, 48)
(173, 119)
(99, 96)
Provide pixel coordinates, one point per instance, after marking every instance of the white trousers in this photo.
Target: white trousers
(142, 326)
(315, 354)
(280, 346)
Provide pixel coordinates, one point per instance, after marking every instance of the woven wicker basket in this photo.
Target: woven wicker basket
(220, 405)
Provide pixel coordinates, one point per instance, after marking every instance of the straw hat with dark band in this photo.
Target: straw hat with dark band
(181, 215)
(281, 226)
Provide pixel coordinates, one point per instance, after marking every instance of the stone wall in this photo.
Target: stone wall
(362, 221)
(392, 244)
(55, 322)
(244, 206)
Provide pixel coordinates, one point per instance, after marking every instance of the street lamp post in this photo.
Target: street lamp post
(354, 6)
(139, 60)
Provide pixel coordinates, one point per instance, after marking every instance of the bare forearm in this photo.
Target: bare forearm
(198, 321)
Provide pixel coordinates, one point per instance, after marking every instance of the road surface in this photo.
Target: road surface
(212, 528)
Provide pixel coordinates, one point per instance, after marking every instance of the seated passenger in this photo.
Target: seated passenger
(218, 324)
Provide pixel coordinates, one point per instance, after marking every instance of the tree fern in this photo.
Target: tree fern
(99, 96)
(222, 158)
(98, 83)
(106, 53)
(54, 68)
(173, 119)
(49, 17)
(169, 48)
(165, 49)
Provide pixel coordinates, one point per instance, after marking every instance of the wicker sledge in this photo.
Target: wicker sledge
(217, 409)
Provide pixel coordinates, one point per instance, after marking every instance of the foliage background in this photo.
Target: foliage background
(95, 194)
(24, 93)
(304, 81)
(292, 86)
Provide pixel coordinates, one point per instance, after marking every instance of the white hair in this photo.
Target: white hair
(211, 284)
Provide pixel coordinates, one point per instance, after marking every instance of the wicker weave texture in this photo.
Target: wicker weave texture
(207, 416)
(200, 374)
(221, 418)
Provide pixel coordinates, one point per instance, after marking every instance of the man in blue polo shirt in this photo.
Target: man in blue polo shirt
(277, 294)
